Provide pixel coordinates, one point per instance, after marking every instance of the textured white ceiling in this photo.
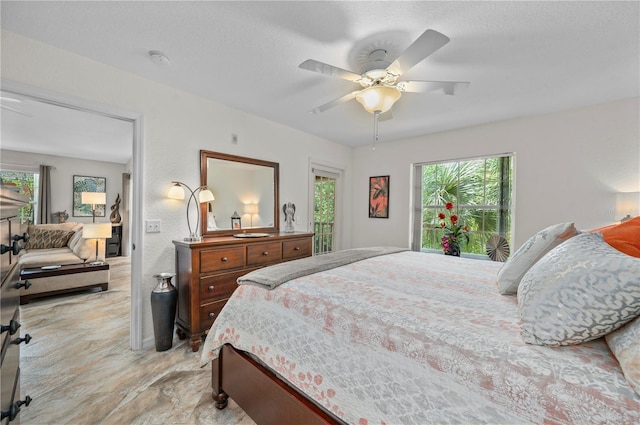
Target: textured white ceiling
(522, 58)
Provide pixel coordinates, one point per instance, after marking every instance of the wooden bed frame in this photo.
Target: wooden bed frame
(267, 399)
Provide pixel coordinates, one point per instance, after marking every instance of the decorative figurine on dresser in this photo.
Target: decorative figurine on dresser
(12, 237)
(289, 210)
(207, 270)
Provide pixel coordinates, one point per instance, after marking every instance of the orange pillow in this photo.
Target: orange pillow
(624, 237)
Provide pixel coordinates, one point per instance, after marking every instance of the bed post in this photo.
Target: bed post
(218, 395)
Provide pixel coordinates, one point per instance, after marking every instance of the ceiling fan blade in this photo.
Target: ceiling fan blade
(426, 44)
(323, 68)
(16, 111)
(448, 87)
(9, 99)
(335, 102)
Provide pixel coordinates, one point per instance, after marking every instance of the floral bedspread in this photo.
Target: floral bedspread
(414, 338)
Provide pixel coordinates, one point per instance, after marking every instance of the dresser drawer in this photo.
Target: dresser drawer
(219, 286)
(221, 259)
(10, 296)
(209, 312)
(296, 248)
(264, 253)
(5, 259)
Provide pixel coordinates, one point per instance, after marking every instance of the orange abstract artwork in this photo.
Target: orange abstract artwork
(379, 197)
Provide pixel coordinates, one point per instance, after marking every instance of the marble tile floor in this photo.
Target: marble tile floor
(79, 369)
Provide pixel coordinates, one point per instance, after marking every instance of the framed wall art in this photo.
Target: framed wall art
(379, 197)
(87, 184)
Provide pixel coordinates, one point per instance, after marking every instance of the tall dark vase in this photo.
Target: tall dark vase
(164, 299)
(454, 249)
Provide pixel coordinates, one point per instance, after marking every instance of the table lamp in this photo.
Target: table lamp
(93, 198)
(204, 195)
(96, 231)
(251, 209)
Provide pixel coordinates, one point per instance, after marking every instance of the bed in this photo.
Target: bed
(402, 337)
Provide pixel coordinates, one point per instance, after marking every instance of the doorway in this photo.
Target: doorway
(327, 186)
(65, 104)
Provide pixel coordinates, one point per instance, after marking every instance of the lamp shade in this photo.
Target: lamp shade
(93, 198)
(378, 98)
(176, 192)
(251, 208)
(627, 204)
(96, 231)
(205, 195)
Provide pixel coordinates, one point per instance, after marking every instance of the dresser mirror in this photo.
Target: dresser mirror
(245, 191)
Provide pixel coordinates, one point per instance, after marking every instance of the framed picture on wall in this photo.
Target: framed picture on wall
(379, 197)
(87, 184)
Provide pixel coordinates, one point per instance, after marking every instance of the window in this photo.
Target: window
(481, 191)
(27, 182)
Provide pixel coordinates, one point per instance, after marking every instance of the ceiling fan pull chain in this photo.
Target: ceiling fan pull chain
(376, 114)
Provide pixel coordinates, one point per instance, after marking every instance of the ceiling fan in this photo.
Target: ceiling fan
(6, 99)
(379, 77)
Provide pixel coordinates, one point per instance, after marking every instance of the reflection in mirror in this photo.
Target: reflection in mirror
(245, 191)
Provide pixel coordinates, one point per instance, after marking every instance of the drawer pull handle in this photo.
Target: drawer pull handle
(265, 253)
(12, 328)
(296, 248)
(14, 248)
(26, 284)
(14, 409)
(18, 341)
(224, 259)
(212, 315)
(23, 237)
(211, 288)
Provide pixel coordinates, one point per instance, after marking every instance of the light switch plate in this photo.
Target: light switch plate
(153, 226)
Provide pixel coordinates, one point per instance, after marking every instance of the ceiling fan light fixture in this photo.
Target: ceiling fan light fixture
(378, 98)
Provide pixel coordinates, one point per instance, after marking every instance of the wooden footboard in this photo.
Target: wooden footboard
(261, 394)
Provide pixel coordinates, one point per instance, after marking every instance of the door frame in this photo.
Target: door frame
(339, 171)
(137, 173)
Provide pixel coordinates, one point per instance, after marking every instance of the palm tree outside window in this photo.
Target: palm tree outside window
(480, 189)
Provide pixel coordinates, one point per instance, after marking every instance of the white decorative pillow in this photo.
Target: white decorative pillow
(625, 345)
(83, 248)
(529, 253)
(581, 290)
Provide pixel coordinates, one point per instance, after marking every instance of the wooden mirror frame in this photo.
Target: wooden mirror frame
(204, 157)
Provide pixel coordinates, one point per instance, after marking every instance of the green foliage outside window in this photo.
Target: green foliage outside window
(481, 192)
(324, 213)
(27, 182)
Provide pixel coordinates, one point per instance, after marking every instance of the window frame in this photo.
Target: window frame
(33, 201)
(418, 207)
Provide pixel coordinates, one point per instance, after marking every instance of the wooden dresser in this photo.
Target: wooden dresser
(206, 273)
(10, 401)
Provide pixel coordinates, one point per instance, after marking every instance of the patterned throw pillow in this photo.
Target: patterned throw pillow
(41, 239)
(625, 345)
(581, 290)
(529, 253)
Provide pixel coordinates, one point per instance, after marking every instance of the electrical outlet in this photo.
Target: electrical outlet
(153, 226)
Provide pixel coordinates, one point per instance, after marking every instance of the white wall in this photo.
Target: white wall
(568, 167)
(62, 178)
(176, 126)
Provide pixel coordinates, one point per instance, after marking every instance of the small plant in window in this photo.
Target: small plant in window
(454, 232)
